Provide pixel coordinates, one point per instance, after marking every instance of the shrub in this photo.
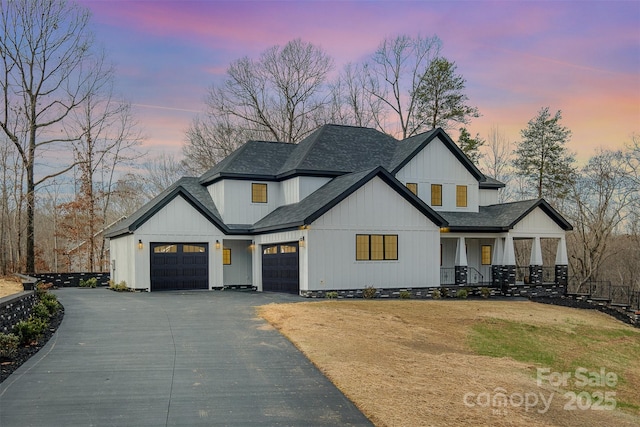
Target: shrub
(436, 294)
(405, 295)
(89, 283)
(41, 311)
(485, 292)
(30, 330)
(462, 293)
(120, 287)
(51, 302)
(369, 292)
(8, 345)
(331, 295)
(444, 292)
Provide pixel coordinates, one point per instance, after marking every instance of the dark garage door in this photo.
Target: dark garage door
(178, 266)
(280, 271)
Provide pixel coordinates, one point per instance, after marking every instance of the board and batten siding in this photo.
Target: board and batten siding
(239, 272)
(488, 197)
(177, 222)
(233, 200)
(537, 223)
(296, 189)
(435, 164)
(375, 208)
(122, 251)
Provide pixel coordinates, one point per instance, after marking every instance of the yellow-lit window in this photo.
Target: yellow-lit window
(376, 247)
(391, 246)
(226, 256)
(362, 247)
(413, 187)
(258, 193)
(194, 248)
(461, 196)
(288, 249)
(271, 250)
(486, 255)
(165, 249)
(436, 195)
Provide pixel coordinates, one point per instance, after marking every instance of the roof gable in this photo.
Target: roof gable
(189, 189)
(501, 217)
(335, 191)
(410, 147)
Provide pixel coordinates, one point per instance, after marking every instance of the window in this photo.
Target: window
(288, 249)
(226, 256)
(413, 187)
(258, 193)
(461, 196)
(194, 248)
(436, 195)
(486, 255)
(271, 250)
(376, 247)
(165, 249)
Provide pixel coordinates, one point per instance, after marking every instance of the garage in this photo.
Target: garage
(280, 268)
(179, 266)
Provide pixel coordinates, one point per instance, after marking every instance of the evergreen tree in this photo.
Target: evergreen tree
(440, 96)
(470, 146)
(542, 158)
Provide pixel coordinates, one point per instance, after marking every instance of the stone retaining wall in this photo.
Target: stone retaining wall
(15, 308)
(72, 280)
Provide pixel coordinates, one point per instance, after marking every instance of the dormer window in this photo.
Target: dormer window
(258, 193)
(413, 187)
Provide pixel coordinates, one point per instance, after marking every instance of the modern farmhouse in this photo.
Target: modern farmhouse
(346, 208)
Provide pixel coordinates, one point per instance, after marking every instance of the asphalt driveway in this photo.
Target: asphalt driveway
(170, 359)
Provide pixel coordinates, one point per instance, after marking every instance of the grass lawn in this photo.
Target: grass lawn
(483, 363)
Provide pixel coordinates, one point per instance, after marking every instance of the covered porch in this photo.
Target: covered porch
(503, 260)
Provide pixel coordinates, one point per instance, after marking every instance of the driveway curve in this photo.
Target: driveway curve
(170, 359)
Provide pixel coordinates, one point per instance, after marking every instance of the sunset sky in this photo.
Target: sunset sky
(581, 57)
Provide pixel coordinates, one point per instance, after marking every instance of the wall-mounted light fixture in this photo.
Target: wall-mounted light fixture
(301, 242)
(140, 245)
(252, 245)
(217, 244)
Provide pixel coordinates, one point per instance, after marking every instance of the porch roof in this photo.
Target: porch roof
(501, 217)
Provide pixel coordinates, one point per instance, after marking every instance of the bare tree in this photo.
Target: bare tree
(351, 103)
(600, 197)
(393, 74)
(161, 172)
(47, 71)
(496, 161)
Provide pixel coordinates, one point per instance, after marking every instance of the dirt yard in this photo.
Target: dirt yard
(10, 285)
(418, 363)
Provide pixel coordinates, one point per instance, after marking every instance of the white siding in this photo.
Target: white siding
(177, 222)
(488, 197)
(239, 272)
(537, 223)
(373, 209)
(435, 164)
(123, 260)
(216, 191)
(296, 189)
(237, 207)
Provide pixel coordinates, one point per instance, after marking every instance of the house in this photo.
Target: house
(346, 208)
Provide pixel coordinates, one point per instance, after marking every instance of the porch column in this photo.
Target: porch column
(461, 263)
(496, 262)
(562, 263)
(508, 264)
(535, 265)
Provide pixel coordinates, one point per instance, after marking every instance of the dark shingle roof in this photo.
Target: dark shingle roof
(502, 217)
(187, 187)
(335, 149)
(258, 159)
(322, 200)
